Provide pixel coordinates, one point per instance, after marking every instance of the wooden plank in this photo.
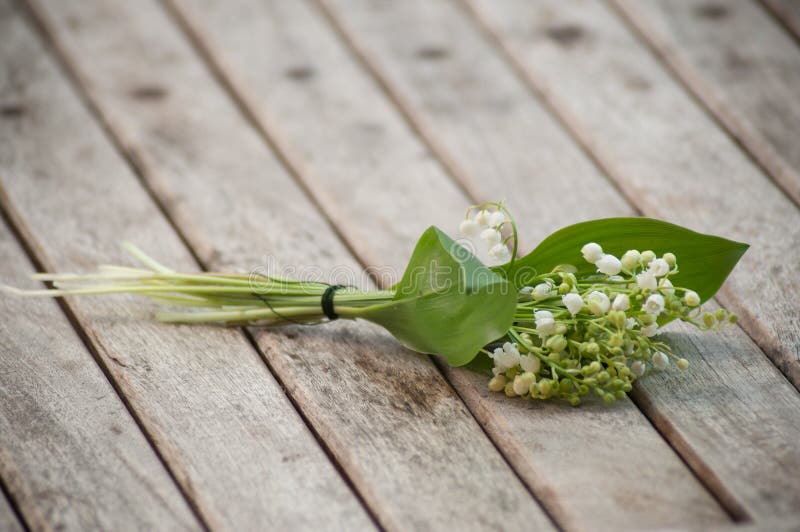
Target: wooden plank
(593, 71)
(479, 118)
(393, 423)
(570, 489)
(786, 11)
(220, 421)
(71, 454)
(742, 65)
(8, 520)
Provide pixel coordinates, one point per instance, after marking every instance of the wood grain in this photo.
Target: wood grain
(393, 423)
(595, 74)
(577, 492)
(8, 520)
(479, 118)
(788, 12)
(742, 65)
(221, 422)
(71, 454)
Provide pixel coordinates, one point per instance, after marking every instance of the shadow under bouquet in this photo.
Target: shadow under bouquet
(577, 315)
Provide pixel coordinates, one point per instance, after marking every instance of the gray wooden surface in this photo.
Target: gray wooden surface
(326, 135)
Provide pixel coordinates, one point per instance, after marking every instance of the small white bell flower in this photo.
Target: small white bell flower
(630, 260)
(573, 302)
(491, 236)
(545, 324)
(630, 323)
(530, 363)
(598, 303)
(508, 347)
(654, 304)
(482, 218)
(522, 383)
(621, 302)
(541, 291)
(646, 281)
(691, 298)
(592, 252)
(469, 227)
(638, 368)
(500, 252)
(609, 265)
(658, 267)
(659, 360)
(665, 287)
(496, 219)
(650, 330)
(504, 360)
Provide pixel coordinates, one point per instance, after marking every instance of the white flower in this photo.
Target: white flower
(665, 286)
(504, 360)
(609, 265)
(496, 219)
(592, 252)
(522, 383)
(491, 236)
(530, 363)
(508, 347)
(646, 281)
(598, 303)
(658, 267)
(654, 304)
(545, 324)
(650, 330)
(526, 290)
(500, 252)
(630, 323)
(691, 298)
(573, 302)
(659, 360)
(469, 228)
(637, 368)
(541, 291)
(630, 260)
(621, 302)
(482, 218)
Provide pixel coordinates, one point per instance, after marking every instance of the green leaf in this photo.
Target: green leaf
(704, 261)
(447, 302)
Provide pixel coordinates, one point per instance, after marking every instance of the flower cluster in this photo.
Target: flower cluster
(488, 221)
(576, 334)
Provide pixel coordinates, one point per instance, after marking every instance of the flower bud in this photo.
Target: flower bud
(592, 348)
(545, 387)
(592, 252)
(491, 237)
(598, 303)
(659, 360)
(556, 343)
(530, 363)
(482, 218)
(683, 364)
(647, 257)
(732, 318)
(638, 368)
(617, 318)
(596, 366)
(630, 260)
(498, 383)
(691, 298)
(708, 319)
(609, 265)
(615, 340)
(721, 315)
(469, 227)
(621, 302)
(603, 377)
(564, 288)
(522, 383)
(509, 389)
(670, 259)
(541, 291)
(496, 219)
(565, 386)
(665, 287)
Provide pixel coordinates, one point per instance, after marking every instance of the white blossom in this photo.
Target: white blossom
(646, 281)
(654, 304)
(526, 290)
(638, 368)
(541, 291)
(522, 383)
(598, 303)
(573, 302)
(658, 267)
(691, 298)
(621, 302)
(504, 360)
(530, 363)
(496, 219)
(659, 360)
(500, 252)
(630, 323)
(609, 265)
(469, 228)
(665, 287)
(491, 236)
(592, 252)
(545, 324)
(482, 218)
(650, 330)
(630, 260)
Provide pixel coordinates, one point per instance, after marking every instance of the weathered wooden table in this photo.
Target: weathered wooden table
(221, 134)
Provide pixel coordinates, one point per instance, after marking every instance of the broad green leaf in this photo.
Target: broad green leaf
(447, 302)
(704, 261)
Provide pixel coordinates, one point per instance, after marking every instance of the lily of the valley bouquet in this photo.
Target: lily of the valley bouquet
(579, 314)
